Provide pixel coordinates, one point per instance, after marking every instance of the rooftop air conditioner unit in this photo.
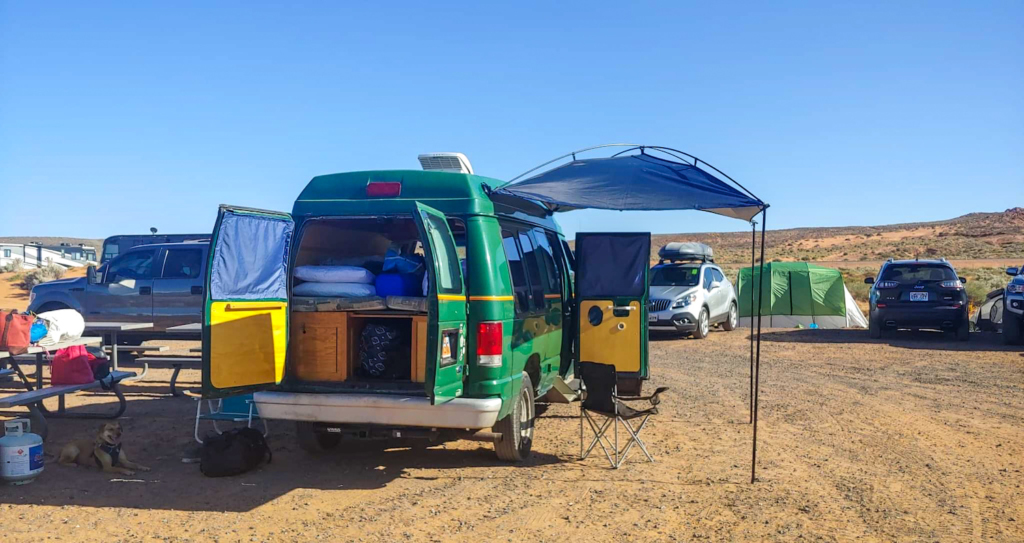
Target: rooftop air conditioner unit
(446, 162)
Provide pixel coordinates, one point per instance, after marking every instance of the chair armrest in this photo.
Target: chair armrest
(653, 398)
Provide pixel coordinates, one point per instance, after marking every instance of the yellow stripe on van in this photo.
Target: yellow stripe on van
(248, 343)
(452, 297)
(491, 298)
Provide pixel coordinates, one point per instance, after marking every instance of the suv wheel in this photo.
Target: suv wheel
(874, 329)
(703, 324)
(516, 428)
(733, 320)
(963, 332)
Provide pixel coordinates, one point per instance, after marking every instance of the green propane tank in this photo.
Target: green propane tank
(21, 453)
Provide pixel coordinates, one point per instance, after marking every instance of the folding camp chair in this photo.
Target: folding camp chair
(600, 396)
(233, 409)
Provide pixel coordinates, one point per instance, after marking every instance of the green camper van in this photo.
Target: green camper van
(495, 325)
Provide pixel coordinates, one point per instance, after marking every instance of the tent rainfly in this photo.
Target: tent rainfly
(635, 180)
(799, 294)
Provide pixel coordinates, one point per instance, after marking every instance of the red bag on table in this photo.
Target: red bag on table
(73, 366)
(15, 332)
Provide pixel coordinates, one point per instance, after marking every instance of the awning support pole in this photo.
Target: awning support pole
(757, 363)
(753, 250)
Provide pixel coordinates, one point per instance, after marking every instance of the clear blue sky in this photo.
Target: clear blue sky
(118, 117)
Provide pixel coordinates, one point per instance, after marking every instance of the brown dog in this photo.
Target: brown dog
(104, 452)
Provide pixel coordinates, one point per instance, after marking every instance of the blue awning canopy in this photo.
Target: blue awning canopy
(638, 182)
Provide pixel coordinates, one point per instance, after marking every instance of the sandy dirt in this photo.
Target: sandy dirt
(913, 438)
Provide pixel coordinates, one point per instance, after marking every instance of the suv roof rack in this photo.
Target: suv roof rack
(685, 252)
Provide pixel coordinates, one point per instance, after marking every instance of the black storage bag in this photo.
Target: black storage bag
(385, 350)
(234, 452)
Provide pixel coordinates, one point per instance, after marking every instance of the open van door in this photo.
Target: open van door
(245, 322)
(611, 297)
(446, 334)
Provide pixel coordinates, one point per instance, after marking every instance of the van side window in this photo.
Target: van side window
(549, 270)
(448, 268)
(182, 263)
(520, 286)
(533, 271)
(458, 228)
(133, 265)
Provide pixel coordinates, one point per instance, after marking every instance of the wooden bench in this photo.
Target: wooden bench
(176, 362)
(138, 348)
(37, 411)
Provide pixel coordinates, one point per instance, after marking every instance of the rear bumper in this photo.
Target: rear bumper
(932, 318)
(388, 410)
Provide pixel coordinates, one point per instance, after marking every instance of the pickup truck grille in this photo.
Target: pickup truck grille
(659, 305)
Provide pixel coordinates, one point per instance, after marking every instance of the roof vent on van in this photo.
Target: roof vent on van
(446, 162)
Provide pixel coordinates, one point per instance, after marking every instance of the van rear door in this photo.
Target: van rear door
(611, 295)
(446, 336)
(245, 322)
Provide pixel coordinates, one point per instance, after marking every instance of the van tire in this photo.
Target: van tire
(313, 441)
(516, 428)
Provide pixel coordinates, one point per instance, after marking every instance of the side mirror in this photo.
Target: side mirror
(1012, 271)
(90, 274)
(869, 280)
(714, 285)
(962, 279)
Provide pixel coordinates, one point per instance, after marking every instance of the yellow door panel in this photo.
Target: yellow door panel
(615, 341)
(248, 343)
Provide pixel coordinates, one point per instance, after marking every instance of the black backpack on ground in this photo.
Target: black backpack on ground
(234, 452)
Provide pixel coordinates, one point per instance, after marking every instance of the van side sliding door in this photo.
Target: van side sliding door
(245, 321)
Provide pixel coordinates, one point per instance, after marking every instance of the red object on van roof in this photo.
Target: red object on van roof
(384, 189)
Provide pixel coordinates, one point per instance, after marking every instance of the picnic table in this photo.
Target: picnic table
(34, 395)
(193, 327)
(113, 328)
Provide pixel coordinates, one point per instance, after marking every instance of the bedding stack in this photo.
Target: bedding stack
(335, 288)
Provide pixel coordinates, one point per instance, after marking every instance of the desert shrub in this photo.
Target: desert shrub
(49, 272)
(12, 266)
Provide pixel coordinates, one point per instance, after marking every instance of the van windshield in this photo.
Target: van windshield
(911, 274)
(675, 276)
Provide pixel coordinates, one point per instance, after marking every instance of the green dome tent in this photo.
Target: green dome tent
(797, 293)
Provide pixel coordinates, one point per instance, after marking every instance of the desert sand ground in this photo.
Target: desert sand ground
(913, 438)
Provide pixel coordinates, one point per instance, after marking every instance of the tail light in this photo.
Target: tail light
(383, 189)
(489, 344)
(887, 284)
(953, 283)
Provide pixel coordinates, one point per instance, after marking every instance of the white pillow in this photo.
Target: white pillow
(347, 290)
(334, 274)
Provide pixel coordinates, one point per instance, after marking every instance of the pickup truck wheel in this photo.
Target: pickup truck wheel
(313, 441)
(1011, 328)
(733, 320)
(516, 428)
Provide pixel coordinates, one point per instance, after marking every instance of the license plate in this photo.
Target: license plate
(652, 318)
(918, 296)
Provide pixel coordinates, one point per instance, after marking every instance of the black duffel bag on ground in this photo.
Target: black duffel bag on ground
(234, 452)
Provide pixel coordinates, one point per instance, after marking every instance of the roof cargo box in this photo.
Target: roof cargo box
(679, 250)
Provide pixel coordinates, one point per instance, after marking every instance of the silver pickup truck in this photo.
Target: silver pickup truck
(1013, 307)
(161, 284)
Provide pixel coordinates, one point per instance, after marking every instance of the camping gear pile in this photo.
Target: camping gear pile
(343, 281)
(233, 452)
(19, 331)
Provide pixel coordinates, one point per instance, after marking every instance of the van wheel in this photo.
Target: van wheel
(733, 320)
(703, 324)
(516, 428)
(313, 441)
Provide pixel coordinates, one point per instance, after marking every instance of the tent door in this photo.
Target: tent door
(611, 293)
(245, 324)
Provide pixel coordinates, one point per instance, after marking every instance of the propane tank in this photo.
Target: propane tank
(21, 453)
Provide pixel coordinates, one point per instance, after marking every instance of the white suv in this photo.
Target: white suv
(690, 298)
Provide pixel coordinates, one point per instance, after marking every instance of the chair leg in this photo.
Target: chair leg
(599, 438)
(635, 438)
(615, 421)
(199, 411)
